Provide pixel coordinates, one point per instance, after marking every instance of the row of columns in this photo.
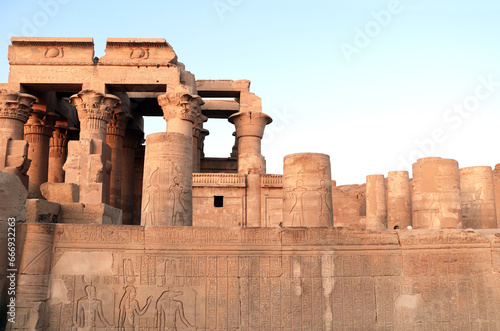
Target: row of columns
(440, 196)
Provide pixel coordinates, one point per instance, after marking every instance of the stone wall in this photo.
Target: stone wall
(261, 279)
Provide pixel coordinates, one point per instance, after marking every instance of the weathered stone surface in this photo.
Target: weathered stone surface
(61, 192)
(398, 200)
(90, 214)
(307, 190)
(478, 198)
(436, 194)
(376, 207)
(42, 211)
(168, 162)
(13, 196)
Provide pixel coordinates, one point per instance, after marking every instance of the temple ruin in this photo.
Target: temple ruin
(115, 230)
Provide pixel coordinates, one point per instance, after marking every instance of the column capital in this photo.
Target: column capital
(250, 124)
(181, 104)
(94, 105)
(59, 136)
(15, 105)
(40, 123)
(118, 123)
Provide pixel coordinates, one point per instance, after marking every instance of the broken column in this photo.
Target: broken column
(88, 163)
(249, 132)
(114, 138)
(307, 190)
(15, 109)
(478, 198)
(436, 194)
(37, 132)
(168, 163)
(398, 200)
(376, 209)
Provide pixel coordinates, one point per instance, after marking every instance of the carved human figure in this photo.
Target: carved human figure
(323, 191)
(178, 208)
(170, 310)
(129, 307)
(152, 188)
(297, 210)
(89, 310)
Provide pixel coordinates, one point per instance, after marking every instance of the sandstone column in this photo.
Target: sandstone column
(88, 163)
(197, 141)
(436, 194)
(37, 132)
(114, 138)
(15, 109)
(131, 141)
(58, 151)
(398, 200)
(376, 208)
(307, 190)
(168, 163)
(249, 131)
(478, 198)
(138, 182)
(496, 182)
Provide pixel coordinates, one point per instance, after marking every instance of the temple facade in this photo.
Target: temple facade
(114, 229)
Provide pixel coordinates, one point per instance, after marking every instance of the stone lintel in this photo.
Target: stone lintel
(222, 88)
(51, 51)
(138, 51)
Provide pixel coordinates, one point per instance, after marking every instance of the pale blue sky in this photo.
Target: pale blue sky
(372, 109)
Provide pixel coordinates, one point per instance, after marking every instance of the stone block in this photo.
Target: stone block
(61, 192)
(13, 196)
(80, 213)
(42, 211)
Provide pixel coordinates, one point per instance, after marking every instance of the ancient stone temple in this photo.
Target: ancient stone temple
(105, 228)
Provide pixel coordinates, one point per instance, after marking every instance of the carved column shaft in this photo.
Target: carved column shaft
(249, 132)
(58, 151)
(436, 199)
(38, 131)
(398, 200)
(131, 141)
(478, 198)
(138, 183)
(169, 161)
(376, 208)
(307, 190)
(114, 138)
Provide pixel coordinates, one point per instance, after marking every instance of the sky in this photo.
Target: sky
(374, 84)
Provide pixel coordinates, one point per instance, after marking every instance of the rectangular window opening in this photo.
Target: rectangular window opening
(218, 201)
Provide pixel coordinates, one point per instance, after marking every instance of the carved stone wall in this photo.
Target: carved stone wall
(271, 278)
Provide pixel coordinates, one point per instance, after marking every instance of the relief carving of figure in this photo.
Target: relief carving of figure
(323, 190)
(169, 311)
(129, 307)
(89, 310)
(178, 208)
(152, 188)
(297, 210)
